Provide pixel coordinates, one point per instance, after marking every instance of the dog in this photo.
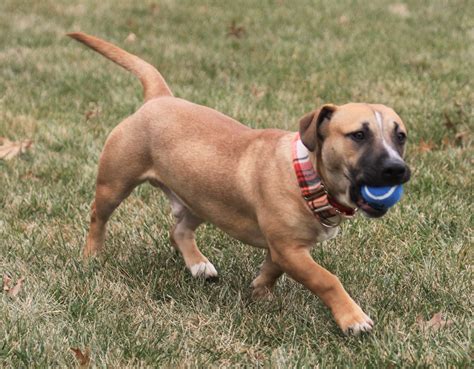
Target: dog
(273, 189)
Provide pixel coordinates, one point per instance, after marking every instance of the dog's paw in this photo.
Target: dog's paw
(363, 326)
(262, 293)
(203, 270)
(355, 322)
(261, 290)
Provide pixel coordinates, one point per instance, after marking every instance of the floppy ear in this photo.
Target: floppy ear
(311, 122)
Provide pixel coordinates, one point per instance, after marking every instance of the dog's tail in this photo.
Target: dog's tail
(153, 83)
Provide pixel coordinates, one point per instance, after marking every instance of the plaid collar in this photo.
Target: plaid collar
(326, 209)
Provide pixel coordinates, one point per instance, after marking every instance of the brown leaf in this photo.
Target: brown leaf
(426, 146)
(30, 176)
(154, 9)
(6, 283)
(132, 37)
(446, 141)
(83, 359)
(343, 19)
(448, 123)
(12, 292)
(435, 323)
(461, 137)
(10, 149)
(399, 9)
(258, 93)
(92, 112)
(236, 31)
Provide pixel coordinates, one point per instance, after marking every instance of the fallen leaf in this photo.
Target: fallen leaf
(425, 146)
(435, 323)
(343, 19)
(461, 137)
(132, 37)
(448, 123)
(257, 92)
(154, 8)
(83, 359)
(92, 112)
(12, 292)
(6, 283)
(203, 9)
(399, 9)
(446, 141)
(236, 31)
(10, 149)
(30, 176)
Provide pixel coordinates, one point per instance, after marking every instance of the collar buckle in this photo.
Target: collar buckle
(323, 208)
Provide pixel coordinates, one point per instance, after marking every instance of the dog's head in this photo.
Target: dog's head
(354, 145)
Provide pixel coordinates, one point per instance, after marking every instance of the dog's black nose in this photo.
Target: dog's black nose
(394, 170)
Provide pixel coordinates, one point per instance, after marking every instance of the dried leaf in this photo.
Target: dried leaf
(132, 37)
(83, 359)
(236, 31)
(258, 93)
(426, 146)
(6, 283)
(154, 9)
(446, 141)
(16, 289)
(461, 137)
(399, 9)
(92, 112)
(10, 149)
(435, 323)
(343, 19)
(30, 176)
(448, 123)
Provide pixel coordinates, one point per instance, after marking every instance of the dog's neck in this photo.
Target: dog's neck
(325, 208)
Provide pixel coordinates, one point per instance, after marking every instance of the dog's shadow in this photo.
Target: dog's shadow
(158, 270)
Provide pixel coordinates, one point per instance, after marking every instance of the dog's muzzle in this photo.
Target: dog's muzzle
(390, 172)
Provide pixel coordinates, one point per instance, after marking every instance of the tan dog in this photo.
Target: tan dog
(213, 168)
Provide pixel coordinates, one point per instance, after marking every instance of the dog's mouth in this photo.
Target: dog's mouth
(370, 210)
(371, 178)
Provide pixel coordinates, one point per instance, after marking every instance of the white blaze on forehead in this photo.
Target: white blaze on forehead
(378, 117)
(390, 150)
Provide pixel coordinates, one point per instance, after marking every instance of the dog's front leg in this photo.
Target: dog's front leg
(299, 265)
(263, 284)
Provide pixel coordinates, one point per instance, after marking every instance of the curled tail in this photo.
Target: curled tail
(152, 81)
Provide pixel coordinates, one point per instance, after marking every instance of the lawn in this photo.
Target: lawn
(265, 63)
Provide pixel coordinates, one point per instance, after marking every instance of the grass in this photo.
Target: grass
(137, 306)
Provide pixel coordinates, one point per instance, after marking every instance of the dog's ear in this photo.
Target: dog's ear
(311, 123)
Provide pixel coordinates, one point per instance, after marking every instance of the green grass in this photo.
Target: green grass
(137, 306)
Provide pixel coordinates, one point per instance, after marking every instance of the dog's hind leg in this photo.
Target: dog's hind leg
(263, 284)
(107, 199)
(183, 237)
(114, 184)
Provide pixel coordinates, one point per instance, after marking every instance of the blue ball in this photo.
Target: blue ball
(382, 197)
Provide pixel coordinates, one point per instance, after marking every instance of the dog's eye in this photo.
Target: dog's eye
(358, 136)
(402, 137)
